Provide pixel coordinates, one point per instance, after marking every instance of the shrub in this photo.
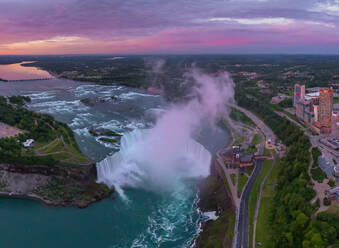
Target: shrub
(327, 202)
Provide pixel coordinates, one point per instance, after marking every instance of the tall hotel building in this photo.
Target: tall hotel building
(299, 94)
(315, 109)
(325, 109)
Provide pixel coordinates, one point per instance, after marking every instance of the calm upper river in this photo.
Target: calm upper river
(18, 72)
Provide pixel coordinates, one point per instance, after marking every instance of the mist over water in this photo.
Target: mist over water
(166, 216)
(158, 157)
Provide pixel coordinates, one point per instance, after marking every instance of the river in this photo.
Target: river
(18, 72)
(147, 219)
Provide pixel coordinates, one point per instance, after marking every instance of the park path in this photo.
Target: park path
(65, 150)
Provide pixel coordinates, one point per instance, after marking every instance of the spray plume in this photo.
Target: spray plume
(155, 158)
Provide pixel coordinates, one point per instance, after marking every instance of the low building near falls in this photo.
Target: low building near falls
(234, 158)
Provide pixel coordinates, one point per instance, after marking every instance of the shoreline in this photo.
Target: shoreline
(51, 187)
(213, 196)
(207, 192)
(46, 202)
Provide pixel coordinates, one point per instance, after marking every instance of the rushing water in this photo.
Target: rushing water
(147, 219)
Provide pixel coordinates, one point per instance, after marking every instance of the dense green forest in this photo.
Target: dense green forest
(292, 217)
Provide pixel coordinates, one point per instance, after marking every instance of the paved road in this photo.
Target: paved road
(268, 132)
(243, 227)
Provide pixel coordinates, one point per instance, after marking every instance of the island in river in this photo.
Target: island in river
(54, 170)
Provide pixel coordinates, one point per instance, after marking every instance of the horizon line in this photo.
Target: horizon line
(172, 54)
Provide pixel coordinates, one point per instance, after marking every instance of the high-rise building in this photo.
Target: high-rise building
(315, 101)
(314, 109)
(299, 94)
(302, 92)
(296, 95)
(325, 109)
(335, 124)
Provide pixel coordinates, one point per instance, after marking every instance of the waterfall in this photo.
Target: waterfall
(151, 163)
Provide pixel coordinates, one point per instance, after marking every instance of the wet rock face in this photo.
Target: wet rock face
(53, 185)
(91, 102)
(81, 174)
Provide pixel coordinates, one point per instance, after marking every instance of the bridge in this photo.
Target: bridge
(19, 80)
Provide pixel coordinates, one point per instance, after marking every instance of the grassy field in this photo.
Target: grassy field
(333, 209)
(238, 139)
(53, 147)
(256, 139)
(263, 226)
(64, 151)
(228, 188)
(233, 178)
(242, 179)
(61, 156)
(335, 100)
(266, 165)
(79, 157)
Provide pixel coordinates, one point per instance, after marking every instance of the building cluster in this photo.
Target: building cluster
(315, 109)
(235, 158)
(279, 98)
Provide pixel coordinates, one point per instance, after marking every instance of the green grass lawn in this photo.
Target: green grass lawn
(256, 139)
(335, 100)
(226, 183)
(266, 165)
(263, 226)
(251, 149)
(80, 158)
(61, 156)
(266, 151)
(238, 139)
(53, 147)
(242, 179)
(333, 209)
(233, 178)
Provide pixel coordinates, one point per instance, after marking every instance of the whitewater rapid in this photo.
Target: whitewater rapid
(140, 165)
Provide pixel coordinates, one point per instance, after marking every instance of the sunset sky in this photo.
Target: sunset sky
(168, 26)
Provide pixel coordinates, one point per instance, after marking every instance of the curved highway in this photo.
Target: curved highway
(243, 227)
(241, 239)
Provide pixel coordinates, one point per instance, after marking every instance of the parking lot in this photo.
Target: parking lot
(8, 131)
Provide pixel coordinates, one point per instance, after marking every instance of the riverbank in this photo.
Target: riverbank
(53, 185)
(215, 197)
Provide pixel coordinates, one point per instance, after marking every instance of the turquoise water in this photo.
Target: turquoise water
(146, 219)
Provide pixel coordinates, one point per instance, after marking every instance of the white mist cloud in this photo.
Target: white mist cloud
(155, 158)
